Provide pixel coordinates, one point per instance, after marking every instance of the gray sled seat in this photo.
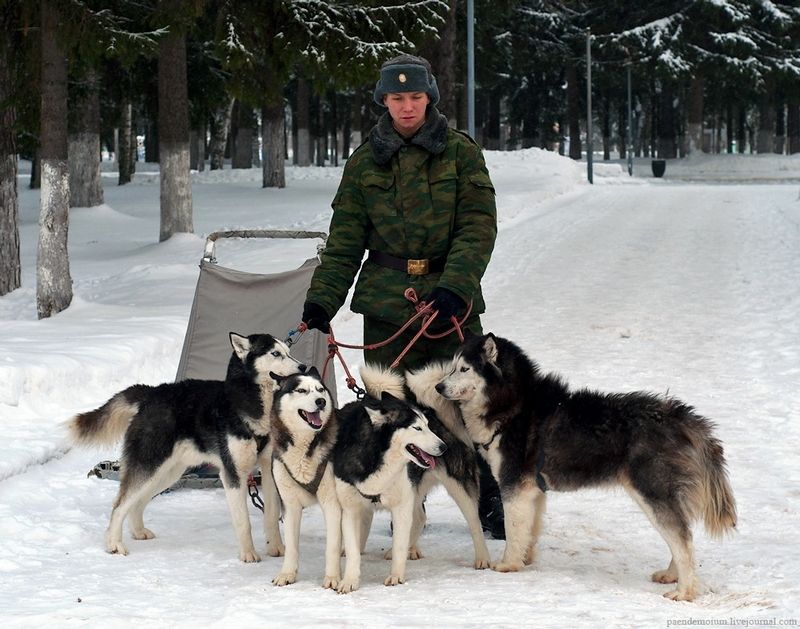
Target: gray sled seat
(227, 300)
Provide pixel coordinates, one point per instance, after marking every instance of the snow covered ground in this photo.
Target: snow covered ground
(687, 283)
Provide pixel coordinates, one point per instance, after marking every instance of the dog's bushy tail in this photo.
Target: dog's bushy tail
(105, 425)
(711, 497)
(378, 379)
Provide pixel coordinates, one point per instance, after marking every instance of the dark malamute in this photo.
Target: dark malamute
(171, 427)
(536, 434)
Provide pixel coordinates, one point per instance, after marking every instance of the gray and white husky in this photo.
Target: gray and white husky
(171, 427)
(377, 440)
(457, 467)
(303, 435)
(536, 434)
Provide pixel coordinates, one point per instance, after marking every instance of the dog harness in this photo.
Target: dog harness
(313, 485)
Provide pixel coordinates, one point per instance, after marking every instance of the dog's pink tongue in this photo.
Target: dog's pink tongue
(314, 419)
(431, 461)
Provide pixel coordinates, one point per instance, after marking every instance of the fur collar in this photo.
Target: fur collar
(385, 141)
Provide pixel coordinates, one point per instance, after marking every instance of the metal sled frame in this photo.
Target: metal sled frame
(227, 300)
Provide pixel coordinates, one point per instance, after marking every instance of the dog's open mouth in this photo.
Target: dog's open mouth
(421, 458)
(312, 418)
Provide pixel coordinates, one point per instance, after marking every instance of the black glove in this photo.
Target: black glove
(446, 302)
(315, 317)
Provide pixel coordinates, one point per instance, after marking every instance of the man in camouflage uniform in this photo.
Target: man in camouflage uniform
(417, 196)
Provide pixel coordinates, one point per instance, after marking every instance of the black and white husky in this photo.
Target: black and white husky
(171, 427)
(457, 468)
(377, 440)
(536, 434)
(303, 435)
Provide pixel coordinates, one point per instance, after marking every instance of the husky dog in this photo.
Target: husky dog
(377, 440)
(303, 436)
(171, 427)
(457, 468)
(536, 434)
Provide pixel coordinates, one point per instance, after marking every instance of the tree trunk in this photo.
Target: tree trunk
(53, 281)
(666, 124)
(273, 170)
(696, 115)
(125, 153)
(741, 129)
(347, 127)
(442, 55)
(573, 111)
(151, 142)
(493, 121)
(173, 134)
(36, 169)
(765, 137)
(780, 127)
(793, 127)
(303, 123)
(85, 185)
(9, 202)
(219, 135)
(241, 151)
(606, 128)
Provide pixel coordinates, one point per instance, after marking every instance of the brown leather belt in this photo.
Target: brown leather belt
(410, 266)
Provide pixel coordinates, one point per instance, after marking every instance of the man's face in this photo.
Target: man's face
(407, 110)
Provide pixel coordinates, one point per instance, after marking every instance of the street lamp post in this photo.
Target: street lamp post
(589, 147)
(471, 67)
(630, 123)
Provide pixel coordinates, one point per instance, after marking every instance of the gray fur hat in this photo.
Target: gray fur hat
(406, 73)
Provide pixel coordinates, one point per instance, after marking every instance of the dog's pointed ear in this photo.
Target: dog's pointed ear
(387, 397)
(312, 371)
(490, 349)
(240, 344)
(383, 410)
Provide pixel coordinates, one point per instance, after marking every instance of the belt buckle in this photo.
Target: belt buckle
(417, 267)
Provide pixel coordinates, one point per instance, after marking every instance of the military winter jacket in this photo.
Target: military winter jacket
(423, 198)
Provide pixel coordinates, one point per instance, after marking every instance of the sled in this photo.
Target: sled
(228, 300)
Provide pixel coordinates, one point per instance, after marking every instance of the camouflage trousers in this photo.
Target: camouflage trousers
(422, 352)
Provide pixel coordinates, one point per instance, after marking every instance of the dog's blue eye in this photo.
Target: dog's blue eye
(276, 353)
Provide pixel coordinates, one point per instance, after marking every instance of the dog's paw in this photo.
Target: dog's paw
(681, 595)
(274, 549)
(664, 576)
(285, 578)
(394, 579)
(330, 583)
(249, 556)
(481, 563)
(507, 566)
(414, 553)
(345, 586)
(143, 534)
(116, 547)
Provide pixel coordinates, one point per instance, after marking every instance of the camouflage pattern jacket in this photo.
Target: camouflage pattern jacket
(428, 197)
